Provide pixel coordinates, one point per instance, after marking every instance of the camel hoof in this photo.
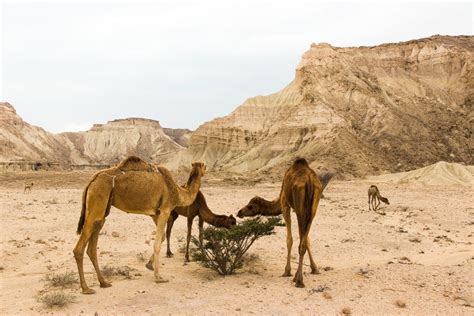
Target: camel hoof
(149, 266)
(169, 255)
(286, 274)
(105, 285)
(88, 291)
(299, 284)
(161, 280)
(315, 271)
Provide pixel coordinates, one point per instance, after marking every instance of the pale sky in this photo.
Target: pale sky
(65, 66)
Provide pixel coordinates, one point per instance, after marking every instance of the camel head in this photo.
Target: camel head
(230, 222)
(198, 168)
(253, 208)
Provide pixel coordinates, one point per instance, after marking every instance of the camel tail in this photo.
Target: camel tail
(82, 219)
(308, 204)
(325, 178)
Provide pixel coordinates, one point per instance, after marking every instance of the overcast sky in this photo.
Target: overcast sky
(66, 66)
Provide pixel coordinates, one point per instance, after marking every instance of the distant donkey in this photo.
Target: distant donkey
(375, 198)
(28, 187)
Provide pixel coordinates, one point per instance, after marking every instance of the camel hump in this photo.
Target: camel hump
(300, 161)
(134, 163)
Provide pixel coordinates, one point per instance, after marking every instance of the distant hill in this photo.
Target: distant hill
(359, 110)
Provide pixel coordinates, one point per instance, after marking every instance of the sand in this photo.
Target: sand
(440, 173)
(419, 253)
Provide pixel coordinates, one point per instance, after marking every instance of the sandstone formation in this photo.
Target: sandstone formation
(441, 173)
(111, 142)
(358, 110)
(20, 141)
(179, 135)
(103, 144)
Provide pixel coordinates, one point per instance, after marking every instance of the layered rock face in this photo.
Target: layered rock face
(179, 135)
(20, 141)
(357, 110)
(111, 142)
(102, 144)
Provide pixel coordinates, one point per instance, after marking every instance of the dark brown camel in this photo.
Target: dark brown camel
(301, 191)
(375, 198)
(198, 208)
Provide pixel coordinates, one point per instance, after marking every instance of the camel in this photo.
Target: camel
(198, 208)
(301, 191)
(28, 187)
(133, 186)
(375, 198)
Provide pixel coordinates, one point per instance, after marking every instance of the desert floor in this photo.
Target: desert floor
(420, 253)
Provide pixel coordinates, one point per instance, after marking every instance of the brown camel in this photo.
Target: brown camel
(198, 208)
(301, 191)
(375, 198)
(28, 187)
(133, 186)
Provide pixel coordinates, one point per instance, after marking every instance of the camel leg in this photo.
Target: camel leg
(286, 212)
(149, 264)
(201, 224)
(369, 203)
(169, 227)
(92, 253)
(160, 229)
(79, 255)
(188, 237)
(378, 203)
(303, 246)
(314, 267)
(95, 219)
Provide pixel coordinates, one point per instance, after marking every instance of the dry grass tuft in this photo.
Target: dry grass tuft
(142, 257)
(346, 311)
(64, 279)
(109, 270)
(400, 303)
(58, 299)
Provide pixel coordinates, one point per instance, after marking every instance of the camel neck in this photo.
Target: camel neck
(188, 194)
(271, 208)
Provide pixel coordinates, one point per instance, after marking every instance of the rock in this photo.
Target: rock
(359, 110)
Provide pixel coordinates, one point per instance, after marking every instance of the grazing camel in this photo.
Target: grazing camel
(198, 208)
(28, 187)
(375, 198)
(133, 186)
(301, 191)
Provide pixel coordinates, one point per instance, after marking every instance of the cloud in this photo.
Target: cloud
(183, 62)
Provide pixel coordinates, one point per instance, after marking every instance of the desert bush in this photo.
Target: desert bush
(109, 270)
(57, 298)
(223, 249)
(61, 279)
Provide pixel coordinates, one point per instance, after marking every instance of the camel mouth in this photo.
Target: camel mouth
(240, 214)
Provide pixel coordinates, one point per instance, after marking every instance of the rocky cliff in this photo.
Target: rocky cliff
(358, 110)
(111, 142)
(102, 144)
(20, 141)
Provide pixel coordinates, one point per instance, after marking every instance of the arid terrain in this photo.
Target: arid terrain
(417, 259)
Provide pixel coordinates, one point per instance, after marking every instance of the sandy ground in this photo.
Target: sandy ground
(420, 253)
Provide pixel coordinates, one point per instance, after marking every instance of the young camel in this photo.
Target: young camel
(28, 187)
(301, 191)
(375, 198)
(133, 186)
(198, 208)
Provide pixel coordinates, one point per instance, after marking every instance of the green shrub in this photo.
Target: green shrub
(223, 249)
